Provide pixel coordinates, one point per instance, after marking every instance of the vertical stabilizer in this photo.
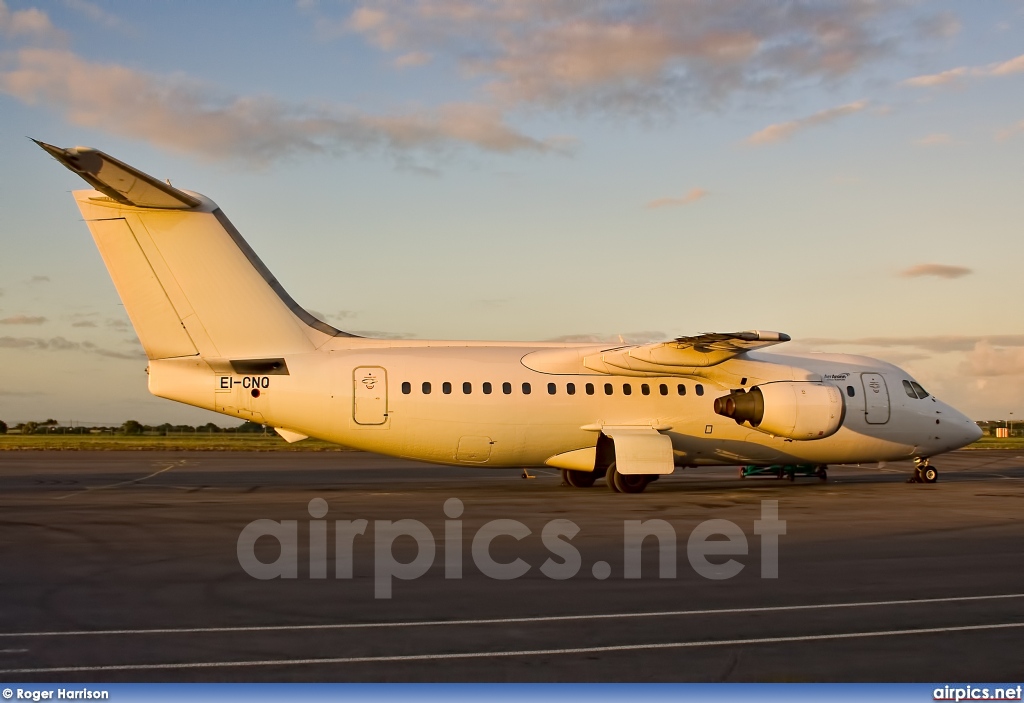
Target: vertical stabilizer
(189, 282)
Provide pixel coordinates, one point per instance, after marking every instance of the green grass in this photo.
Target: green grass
(190, 442)
(998, 443)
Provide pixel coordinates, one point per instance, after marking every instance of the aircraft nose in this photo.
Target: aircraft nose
(967, 430)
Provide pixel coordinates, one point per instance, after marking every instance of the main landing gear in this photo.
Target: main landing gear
(626, 483)
(923, 472)
(580, 479)
(616, 482)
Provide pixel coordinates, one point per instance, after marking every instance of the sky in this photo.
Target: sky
(846, 172)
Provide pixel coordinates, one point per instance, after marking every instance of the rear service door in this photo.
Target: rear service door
(876, 399)
(369, 395)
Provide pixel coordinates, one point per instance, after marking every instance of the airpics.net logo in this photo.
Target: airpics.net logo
(710, 547)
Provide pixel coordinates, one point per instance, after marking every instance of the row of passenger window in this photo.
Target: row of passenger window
(570, 388)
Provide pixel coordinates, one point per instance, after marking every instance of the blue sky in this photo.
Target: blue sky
(848, 173)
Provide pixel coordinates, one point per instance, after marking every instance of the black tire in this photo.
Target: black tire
(609, 478)
(822, 473)
(929, 475)
(578, 479)
(632, 483)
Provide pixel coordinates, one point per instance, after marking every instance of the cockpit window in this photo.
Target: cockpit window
(909, 389)
(921, 392)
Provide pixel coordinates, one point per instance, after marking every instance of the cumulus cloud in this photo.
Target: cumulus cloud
(935, 139)
(784, 130)
(634, 57)
(185, 115)
(691, 197)
(986, 359)
(23, 320)
(937, 270)
(962, 73)
(30, 23)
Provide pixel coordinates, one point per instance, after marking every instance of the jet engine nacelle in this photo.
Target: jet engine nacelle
(791, 409)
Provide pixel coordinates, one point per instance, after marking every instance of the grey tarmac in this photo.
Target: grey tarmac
(122, 566)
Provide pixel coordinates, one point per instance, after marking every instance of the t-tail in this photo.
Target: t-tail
(189, 282)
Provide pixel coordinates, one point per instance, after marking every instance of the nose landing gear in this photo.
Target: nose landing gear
(923, 472)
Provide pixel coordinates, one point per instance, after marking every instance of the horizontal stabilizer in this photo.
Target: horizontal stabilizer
(120, 181)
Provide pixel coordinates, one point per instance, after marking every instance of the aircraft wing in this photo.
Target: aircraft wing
(118, 180)
(701, 350)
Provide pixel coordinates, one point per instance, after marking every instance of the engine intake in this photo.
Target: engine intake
(792, 409)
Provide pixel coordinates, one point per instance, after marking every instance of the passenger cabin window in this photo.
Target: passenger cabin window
(552, 388)
(921, 392)
(699, 388)
(446, 388)
(663, 389)
(909, 389)
(406, 387)
(681, 389)
(487, 387)
(626, 389)
(645, 389)
(850, 391)
(506, 388)
(570, 388)
(526, 389)
(590, 389)
(467, 387)
(608, 389)
(426, 388)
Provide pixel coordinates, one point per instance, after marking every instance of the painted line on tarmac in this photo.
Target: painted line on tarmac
(510, 621)
(512, 653)
(176, 464)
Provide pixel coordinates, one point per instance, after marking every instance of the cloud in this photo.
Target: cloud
(1010, 131)
(63, 344)
(23, 320)
(39, 279)
(31, 23)
(989, 360)
(100, 16)
(133, 356)
(784, 130)
(934, 139)
(83, 323)
(691, 197)
(184, 115)
(634, 57)
(938, 343)
(937, 270)
(962, 73)
(411, 60)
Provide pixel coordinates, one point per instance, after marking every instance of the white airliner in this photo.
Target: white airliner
(222, 334)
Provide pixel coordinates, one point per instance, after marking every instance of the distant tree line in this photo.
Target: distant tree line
(129, 427)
